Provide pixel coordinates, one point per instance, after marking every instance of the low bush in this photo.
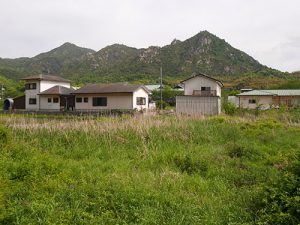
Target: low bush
(161, 104)
(5, 136)
(229, 108)
(190, 166)
(236, 151)
(279, 201)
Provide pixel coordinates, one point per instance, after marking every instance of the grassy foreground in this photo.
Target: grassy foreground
(156, 170)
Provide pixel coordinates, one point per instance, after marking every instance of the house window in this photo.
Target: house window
(205, 88)
(78, 99)
(86, 99)
(252, 101)
(30, 86)
(140, 101)
(32, 101)
(100, 101)
(49, 100)
(55, 100)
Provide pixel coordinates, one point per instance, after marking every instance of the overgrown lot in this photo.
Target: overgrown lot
(156, 170)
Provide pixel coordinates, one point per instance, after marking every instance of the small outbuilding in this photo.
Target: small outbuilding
(8, 104)
(19, 103)
(202, 96)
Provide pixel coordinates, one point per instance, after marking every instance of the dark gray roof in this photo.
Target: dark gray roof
(46, 77)
(109, 88)
(57, 90)
(203, 75)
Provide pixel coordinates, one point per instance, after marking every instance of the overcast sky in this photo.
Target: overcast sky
(268, 30)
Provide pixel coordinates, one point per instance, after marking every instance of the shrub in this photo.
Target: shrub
(169, 96)
(268, 124)
(229, 108)
(190, 166)
(5, 136)
(279, 202)
(236, 151)
(163, 103)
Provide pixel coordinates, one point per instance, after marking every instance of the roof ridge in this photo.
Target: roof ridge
(203, 75)
(266, 91)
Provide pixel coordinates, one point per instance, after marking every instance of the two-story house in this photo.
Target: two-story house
(47, 92)
(202, 96)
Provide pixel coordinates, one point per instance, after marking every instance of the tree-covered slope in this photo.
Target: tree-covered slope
(203, 52)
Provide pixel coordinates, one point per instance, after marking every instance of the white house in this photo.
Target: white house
(202, 96)
(266, 99)
(46, 92)
(111, 96)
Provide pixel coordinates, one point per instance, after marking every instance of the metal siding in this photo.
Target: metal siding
(193, 105)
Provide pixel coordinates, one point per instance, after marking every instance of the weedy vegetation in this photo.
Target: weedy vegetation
(238, 169)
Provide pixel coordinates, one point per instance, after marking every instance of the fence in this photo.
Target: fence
(198, 105)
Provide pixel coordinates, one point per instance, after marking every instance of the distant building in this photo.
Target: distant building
(202, 96)
(179, 87)
(8, 104)
(153, 87)
(266, 99)
(47, 92)
(53, 93)
(111, 96)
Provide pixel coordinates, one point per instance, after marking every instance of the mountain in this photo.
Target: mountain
(203, 52)
(57, 61)
(296, 74)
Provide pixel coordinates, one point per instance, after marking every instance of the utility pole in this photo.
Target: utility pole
(2, 91)
(161, 98)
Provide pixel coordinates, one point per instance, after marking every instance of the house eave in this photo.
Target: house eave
(203, 75)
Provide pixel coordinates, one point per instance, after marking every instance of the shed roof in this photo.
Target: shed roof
(57, 90)
(47, 77)
(152, 87)
(203, 75)
(109, 88)
(283, 92)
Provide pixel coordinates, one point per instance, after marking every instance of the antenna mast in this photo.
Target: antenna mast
(161, 98)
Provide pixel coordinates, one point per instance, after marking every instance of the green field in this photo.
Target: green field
(241, 169)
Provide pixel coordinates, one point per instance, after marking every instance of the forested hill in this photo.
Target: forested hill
(203, 52)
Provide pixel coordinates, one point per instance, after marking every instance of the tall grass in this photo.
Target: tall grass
(152, 170)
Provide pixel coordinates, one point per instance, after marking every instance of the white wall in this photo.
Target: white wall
(197, 82)
(45, 105)
(264, 102)
(234, 100)
(45, 84)
(32, 94)
(123, 101)
(40, 86)
(140, 93)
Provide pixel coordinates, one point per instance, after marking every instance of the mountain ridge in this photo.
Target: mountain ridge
(203, 52)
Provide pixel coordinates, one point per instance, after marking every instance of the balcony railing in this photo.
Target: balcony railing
(205, 93)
